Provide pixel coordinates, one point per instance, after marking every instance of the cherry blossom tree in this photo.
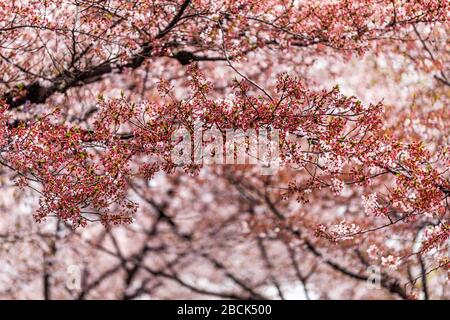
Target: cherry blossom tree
(353, 94)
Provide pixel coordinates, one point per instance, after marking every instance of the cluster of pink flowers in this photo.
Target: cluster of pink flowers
(435, 236)
(81, 169)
